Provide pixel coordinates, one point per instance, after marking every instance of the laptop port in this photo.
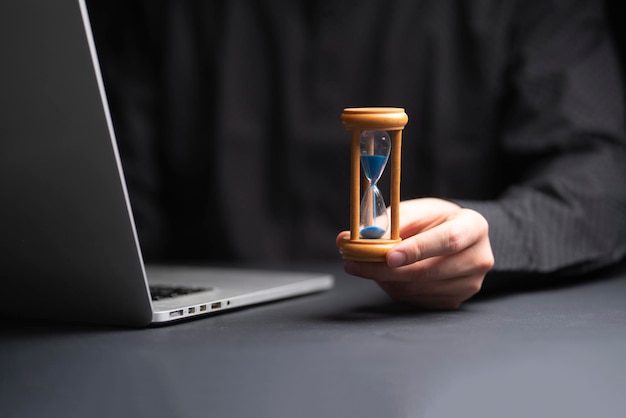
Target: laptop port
(216, 305)
(203, 308)
(192, 310)
(175, 314)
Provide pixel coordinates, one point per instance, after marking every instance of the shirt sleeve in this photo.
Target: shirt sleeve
(562, 136)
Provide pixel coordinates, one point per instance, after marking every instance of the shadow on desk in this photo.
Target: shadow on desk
(495, 288)
(503, 285)
(25, 327)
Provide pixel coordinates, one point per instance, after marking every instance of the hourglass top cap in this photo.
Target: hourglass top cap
(374, 118)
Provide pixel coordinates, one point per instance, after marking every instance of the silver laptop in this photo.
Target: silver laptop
(68, 245)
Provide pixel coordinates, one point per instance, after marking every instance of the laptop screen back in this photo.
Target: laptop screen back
(65, 222)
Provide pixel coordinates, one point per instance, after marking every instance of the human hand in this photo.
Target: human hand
(442, 260)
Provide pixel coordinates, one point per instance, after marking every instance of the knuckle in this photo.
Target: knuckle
(481, 223)
(474, 287)
(486, 262)
(455, 238)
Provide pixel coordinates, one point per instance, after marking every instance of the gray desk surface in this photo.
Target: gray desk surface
(553, 352)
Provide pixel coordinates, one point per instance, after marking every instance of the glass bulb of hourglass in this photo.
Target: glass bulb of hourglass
(375, 149)
(374, 218)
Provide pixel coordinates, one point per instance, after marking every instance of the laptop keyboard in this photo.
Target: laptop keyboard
(166, 292)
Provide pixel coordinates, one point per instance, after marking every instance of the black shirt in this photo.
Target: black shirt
(228, 118)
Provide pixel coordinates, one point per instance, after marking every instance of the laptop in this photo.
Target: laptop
(68, 245)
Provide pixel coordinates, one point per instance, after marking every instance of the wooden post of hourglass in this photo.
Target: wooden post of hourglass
(357, 120)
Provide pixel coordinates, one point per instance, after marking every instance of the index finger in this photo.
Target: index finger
(450, 237)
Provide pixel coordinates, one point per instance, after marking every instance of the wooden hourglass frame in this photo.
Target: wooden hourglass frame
(357, 120)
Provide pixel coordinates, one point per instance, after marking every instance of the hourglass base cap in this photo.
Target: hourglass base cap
(371, 250)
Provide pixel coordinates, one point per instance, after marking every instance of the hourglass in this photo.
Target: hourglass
(376, 138)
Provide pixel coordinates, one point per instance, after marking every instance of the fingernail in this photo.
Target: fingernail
(352, 268)
(396, 259)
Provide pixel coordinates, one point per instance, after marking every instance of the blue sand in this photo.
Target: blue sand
(373, 165)
(372, 232)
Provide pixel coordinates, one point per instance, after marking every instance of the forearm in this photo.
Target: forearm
(569, 216)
